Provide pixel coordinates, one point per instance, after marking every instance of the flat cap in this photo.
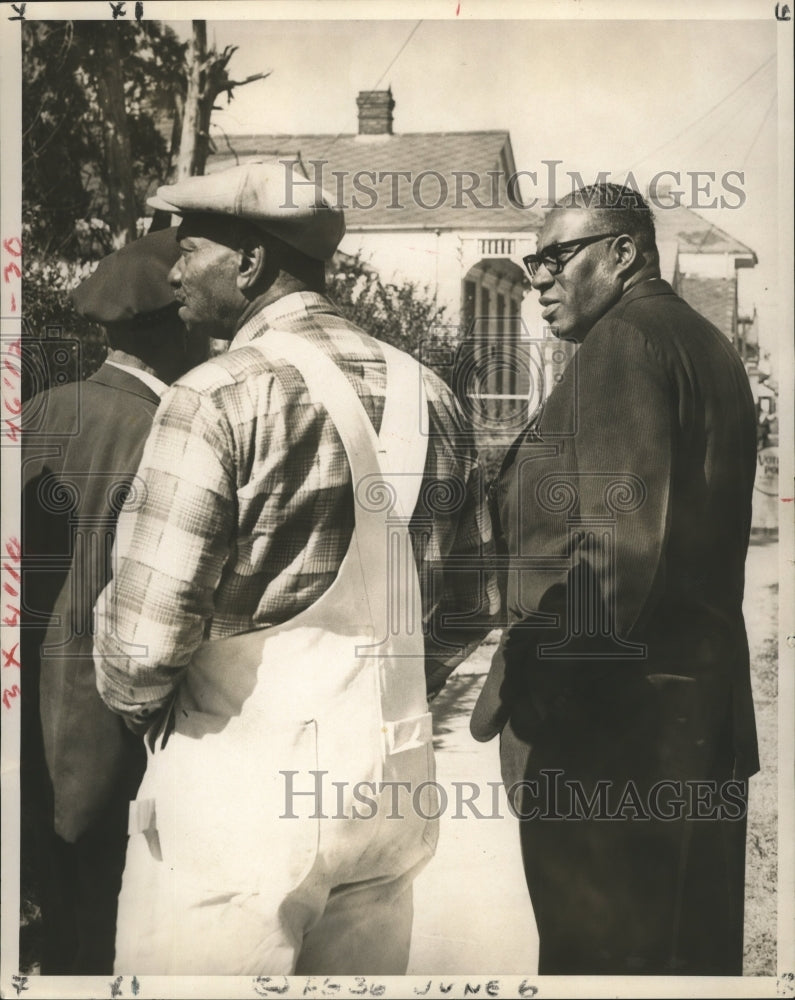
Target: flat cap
(272, 195)
(132, 283)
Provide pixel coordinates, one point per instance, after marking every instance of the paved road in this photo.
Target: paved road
(472, 910)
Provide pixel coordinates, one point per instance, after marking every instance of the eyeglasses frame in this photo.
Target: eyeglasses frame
(533, 261)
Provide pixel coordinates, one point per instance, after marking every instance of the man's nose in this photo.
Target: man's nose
(542, 279)
(175, 274)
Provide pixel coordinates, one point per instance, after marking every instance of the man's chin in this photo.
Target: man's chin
(569, 333)
(201, 329)
(558, 331)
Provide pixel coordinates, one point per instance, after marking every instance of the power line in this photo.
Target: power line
(727, 120)
(759, 130)
(703, 116)
(389, 67)
(381, 77)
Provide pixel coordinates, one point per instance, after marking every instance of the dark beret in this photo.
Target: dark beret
(130, 284)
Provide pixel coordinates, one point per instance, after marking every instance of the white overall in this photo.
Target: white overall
(267, 836)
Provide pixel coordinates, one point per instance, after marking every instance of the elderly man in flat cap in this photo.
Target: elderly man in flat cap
(284, 593)
(81, 447)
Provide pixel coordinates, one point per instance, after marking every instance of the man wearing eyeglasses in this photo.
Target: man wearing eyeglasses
(621, 689)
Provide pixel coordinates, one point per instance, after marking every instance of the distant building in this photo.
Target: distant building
(703, 262)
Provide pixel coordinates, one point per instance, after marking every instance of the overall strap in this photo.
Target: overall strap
(327, 384)
(395, 460)
(402, 444)
(385, 473)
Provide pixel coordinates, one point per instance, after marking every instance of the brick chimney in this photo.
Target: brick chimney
(375, 112)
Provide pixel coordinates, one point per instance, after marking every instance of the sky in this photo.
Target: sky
(598, 95)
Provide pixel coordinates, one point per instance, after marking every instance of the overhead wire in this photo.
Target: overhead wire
(397, 55)
(759, 130)
(702, 116)
(729, 120)
(383, 74)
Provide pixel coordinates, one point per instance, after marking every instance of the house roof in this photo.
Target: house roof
(714, 298)
(434, 161)
(695, 234)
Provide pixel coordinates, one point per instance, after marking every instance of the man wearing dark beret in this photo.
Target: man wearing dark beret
(81, 447)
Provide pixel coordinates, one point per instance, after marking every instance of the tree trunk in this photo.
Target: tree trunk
(206, 103)
(187, 163)
(207, 78)
(176, 137)
(116, 137)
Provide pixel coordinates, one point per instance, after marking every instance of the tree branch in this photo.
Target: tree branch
(249, 79)
(228, 87)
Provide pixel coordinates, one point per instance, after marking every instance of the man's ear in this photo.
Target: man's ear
(626, 253)
(251, 266)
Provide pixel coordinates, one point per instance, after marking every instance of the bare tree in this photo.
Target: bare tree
(207, 78)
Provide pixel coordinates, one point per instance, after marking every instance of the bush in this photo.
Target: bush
(52, 324)
(405, 316)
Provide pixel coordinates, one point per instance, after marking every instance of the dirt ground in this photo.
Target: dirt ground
(761, 618)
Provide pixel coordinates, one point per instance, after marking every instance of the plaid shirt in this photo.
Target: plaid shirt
(247, 512)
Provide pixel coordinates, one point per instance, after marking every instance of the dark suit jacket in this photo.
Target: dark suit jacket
(81, 447)
(626, 512)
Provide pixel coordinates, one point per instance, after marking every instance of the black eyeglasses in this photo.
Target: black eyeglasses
(557, 255)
